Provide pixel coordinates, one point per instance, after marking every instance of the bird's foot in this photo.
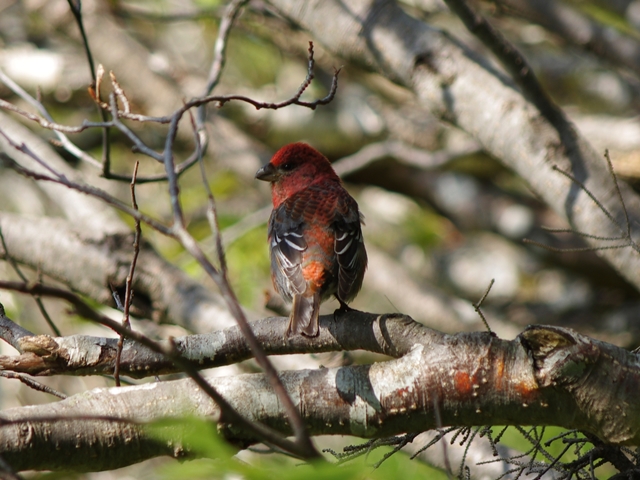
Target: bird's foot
(344, 308)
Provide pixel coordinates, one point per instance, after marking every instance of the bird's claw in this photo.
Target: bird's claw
(344, 308)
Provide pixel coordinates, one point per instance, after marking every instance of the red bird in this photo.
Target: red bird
(315, 239)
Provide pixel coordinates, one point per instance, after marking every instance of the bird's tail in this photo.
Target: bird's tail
(304, 315)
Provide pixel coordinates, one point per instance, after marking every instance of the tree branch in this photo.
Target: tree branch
(87, 355)
(551, 376)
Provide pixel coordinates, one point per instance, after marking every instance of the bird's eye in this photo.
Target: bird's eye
(287, 167)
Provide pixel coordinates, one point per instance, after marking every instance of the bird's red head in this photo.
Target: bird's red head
(293, 168)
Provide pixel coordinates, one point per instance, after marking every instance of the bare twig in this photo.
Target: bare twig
(477, 306)
(87, 189)
(31, 383)
(67, 144)
(76, 10)
(171, 119)
(37, 298)
(625, 230)
(128, 295)
(214, 225)
(294, 100)
(219, 53)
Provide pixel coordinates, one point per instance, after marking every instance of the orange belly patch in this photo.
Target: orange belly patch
(313, 272)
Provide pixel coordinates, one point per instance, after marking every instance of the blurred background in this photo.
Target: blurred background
(442, 217)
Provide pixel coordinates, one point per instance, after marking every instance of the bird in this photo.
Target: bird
(315, 236)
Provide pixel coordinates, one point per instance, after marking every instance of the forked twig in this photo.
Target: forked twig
(625, 230)
(477, 306)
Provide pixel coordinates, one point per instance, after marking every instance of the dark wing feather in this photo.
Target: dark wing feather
(349, 249)
(286, 245)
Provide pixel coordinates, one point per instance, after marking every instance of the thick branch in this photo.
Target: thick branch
(86, 355)
(550, 376)
(610, 44)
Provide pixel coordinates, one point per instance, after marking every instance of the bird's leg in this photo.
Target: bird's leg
(344, 308)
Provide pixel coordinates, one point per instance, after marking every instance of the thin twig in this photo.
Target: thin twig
(128, 295)
(87, 189)
(477, 306)
(584, 188)
(212, 218)
(582, 234)
(620, 197)
(76, 10)
(572, 250)
(172, 120)
(67, 144)
(31, 383)
(37, 298)
(625, 231)
(219, 53)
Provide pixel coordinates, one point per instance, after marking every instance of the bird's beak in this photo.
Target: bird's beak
(267, 173)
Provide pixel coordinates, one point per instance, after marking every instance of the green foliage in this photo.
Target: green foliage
(216, 459)
(610, 18)
(255, 61)
(248, 260)
(198, 436)
(425, 228)
(401, 466)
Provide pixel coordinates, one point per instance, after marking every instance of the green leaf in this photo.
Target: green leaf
(199, 437)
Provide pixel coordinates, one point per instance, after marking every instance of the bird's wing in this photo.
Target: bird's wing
(287, 244)
(349, 249)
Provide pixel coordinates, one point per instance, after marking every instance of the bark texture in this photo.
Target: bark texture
(548, 376)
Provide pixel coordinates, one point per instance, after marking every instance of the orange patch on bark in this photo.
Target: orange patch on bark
(499, 366)
(526, 388)
(463, 382)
